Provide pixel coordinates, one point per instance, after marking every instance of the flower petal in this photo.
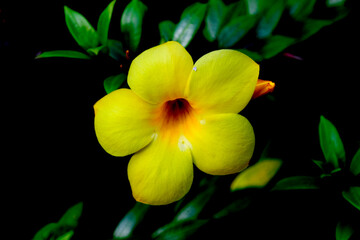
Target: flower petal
(123, 122)
(161, 173)
(161, 73)
(223, 144)
(222, 81)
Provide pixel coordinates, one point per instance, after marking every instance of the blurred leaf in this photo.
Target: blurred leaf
(189, 24)
(131, 23)
(63, 53)
(127, 225)
(113, 82)
(276, 44)
(312, 26)
(81, 30)
(335, 3)
(236, 29)
(355, 163)
(301, 9)
(343, 231)
(235, 206)
(179, 230)
(193, 208)
(45, 232)
(71, 216)
(270, 19)
(66, 236)
(116, 50)
(166, 29)
(257, 175)
(214, 19)
(104, 22)
(297, 183)
(258, 6)
(353, 196)
(331, 144)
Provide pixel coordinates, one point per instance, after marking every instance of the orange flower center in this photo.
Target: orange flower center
(174, 115)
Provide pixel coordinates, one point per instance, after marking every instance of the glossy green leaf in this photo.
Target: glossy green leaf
(81, 30)
(312, 26)
(355, 163)
(179, 230)
(114, 82)
(236, 29)
(190, 22)
(131, 23)
(343, 231)
(235, 206)
(297, 183)
(276, 44)
(96, 50)
(166, 29)
(214, 19)
(116, 50)
(331, 144)
(63, 53)
(301, 9)
(104, 22)
(270, 19)
(71, 216)
(352, 195)
(127, 225)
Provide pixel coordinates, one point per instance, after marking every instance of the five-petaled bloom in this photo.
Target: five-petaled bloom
(178, 113)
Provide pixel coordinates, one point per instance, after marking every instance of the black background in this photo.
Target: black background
(51, 159)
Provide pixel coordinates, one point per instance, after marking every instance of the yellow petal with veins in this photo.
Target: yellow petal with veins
(162, 172)
(161, 73)
(222, 144)
(123, 122)
(222, 81)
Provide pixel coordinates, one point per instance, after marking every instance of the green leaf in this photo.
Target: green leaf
(256, 7)
(96, 50)
(270, 19)
(193, 208)
(331, 144)
(116, 50)
(81, 30)
(297, 183)
(276, 44)
(343, 231)
(179, 230)
(214, 19)
(66, 236)
(301, 9)
(131, 23)
(335, 3)
(166, 29)
(189, 24)
(71, 216)
(104, 22)
(355, 163)
(113, 82)
(312, 26)
(236, 29)
(45, 232)
(127, 225)
(352, 195)
(63, 53)
(235, 206)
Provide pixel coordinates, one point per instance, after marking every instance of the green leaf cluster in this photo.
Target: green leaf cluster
(64, 228)
(229, 24)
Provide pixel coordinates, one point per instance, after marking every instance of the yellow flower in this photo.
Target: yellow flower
(178, 113)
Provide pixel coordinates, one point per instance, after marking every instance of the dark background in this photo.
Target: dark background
(51, 158)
